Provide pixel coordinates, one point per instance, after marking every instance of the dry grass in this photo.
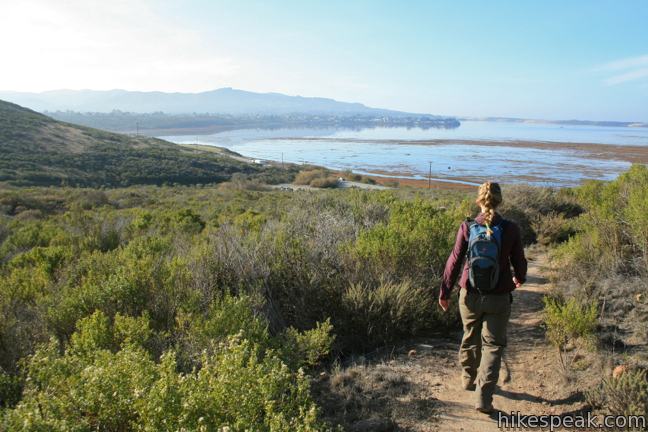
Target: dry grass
(318, 178)
(375, 397)
(325, 183)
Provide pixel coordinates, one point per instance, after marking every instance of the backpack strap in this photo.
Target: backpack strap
(469, 224)
(503, 224)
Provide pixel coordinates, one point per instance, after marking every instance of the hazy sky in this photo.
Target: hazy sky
(541, 59)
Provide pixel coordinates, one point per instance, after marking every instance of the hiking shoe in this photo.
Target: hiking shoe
(467, 384)
(485, 410)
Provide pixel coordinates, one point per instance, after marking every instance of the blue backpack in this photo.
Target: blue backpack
(483, 256)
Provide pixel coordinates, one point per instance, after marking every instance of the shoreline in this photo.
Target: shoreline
(423, 184)
(625, 153)
(382, 178)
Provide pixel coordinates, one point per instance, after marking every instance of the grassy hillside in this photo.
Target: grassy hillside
(38, 150)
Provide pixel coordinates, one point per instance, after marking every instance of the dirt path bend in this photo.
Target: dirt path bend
(530, 379)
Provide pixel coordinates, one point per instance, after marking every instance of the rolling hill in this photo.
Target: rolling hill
(220, 101)
(38, 150)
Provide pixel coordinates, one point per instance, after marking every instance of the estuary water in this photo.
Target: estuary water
(404, 153)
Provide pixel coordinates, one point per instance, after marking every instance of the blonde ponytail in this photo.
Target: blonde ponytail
(489, 197)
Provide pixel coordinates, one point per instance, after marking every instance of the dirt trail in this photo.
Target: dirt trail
(530, 381)
(417, 387)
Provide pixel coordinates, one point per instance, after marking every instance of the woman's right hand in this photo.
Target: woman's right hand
(516, 282)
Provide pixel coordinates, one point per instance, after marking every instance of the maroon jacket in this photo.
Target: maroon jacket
(512, 253)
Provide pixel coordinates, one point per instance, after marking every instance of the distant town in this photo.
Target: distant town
(154, 122)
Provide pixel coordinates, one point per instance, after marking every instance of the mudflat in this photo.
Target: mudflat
(628, 153)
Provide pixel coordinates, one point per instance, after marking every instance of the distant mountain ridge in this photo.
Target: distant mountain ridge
(220, 101)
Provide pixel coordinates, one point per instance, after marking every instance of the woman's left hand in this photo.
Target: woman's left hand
(444, 303)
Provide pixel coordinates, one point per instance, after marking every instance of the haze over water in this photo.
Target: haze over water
(396, 152)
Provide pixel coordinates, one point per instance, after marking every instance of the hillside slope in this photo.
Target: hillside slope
(38, 150)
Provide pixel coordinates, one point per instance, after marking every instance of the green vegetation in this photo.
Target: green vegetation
(201, 306)
(571, 326)
(37, 150)
(624, 395)
(601, 272)
(542, 213)
(325, 179)
(612, 236)
(606, 260)
(107, 379)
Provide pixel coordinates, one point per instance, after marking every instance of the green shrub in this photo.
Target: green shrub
(368, 180)
(552, 228)
(242, 315)
(570, 325)
(634, 188)
(615, 222)
(105, 380)
(569, 320)
(306, 177)
(10, 390)
(26, 236)
(306, 349)
(523, 220)
(325, 182)
(606, 261)
(22, 324)
(384, 314)
(226, 316)
(318, 178)
(538, 201)
(46, 259)
(96, 332)
(250, 220)
(354, 177)
(143, 221)
(188, 221)
(415, 241)
(625, 395)
(541, 213)
(128, 280)
(89, 199)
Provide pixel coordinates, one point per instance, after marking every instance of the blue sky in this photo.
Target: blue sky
(535, 59)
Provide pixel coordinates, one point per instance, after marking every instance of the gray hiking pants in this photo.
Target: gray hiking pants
(485, 319)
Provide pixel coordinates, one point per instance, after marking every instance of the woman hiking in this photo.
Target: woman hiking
(491, 246)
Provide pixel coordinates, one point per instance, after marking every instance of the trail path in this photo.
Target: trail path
(418, 387)
(530, 379)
